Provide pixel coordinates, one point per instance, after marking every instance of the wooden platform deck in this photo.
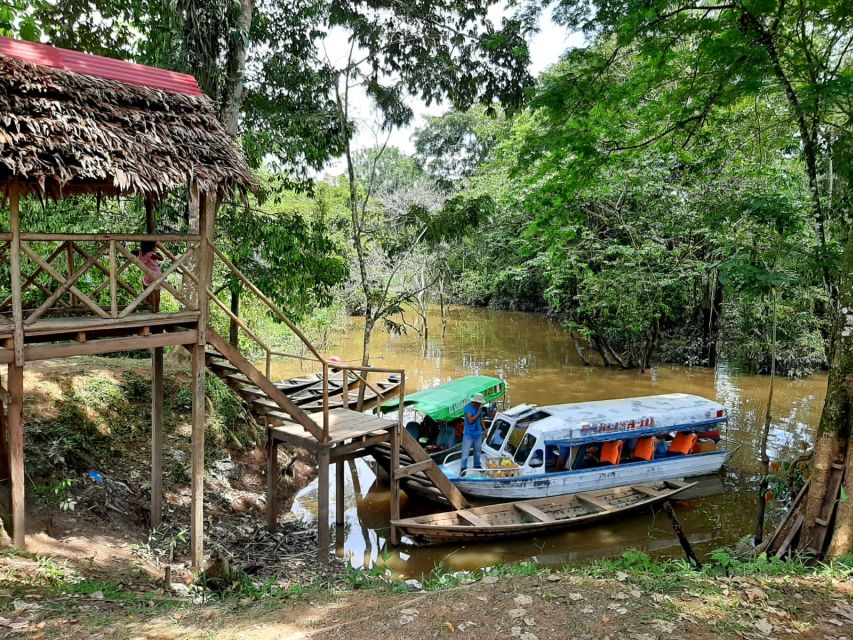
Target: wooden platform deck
(344, 425)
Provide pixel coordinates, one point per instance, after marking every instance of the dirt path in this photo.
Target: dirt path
(638, 606)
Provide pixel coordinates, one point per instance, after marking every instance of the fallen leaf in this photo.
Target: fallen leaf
(514, 614)
(522, 599)
(450, 628)
(554, 577)
(575, 597)
(621, 576)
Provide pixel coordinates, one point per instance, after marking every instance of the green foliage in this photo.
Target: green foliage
(58, 494)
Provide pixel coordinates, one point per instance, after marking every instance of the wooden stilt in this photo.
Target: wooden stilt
(395, 482)
(156, 437)
(396, 436)
(197, 497)
(340, 496)
(272, 483)
(15, 419)
(323, 504)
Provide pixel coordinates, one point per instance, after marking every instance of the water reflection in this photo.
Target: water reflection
(538, 360)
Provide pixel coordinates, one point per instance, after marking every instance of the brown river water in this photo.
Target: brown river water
(537, 359)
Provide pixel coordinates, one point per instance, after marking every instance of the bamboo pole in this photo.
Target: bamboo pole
(396, 435)
(326, 402)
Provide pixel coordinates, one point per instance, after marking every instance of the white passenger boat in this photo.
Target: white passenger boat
(534, 452)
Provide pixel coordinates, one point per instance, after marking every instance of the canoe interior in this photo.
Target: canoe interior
(529, 516)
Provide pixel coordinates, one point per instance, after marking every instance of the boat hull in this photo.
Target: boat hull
(568, 482)
(537, 516)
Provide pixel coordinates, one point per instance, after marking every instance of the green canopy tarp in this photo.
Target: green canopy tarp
(448, 400)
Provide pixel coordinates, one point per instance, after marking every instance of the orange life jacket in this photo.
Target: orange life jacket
(645, 449)
(683, 443)
(611, 452)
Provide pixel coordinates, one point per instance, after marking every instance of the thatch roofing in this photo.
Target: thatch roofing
(63, 132)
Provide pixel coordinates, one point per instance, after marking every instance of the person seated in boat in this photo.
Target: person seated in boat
(662, 446)
(643, 450)
(683, 443)
(611, 453)
(429, 429)
(414, 429)
(458, 429)
(591, 456)
(447, 435)
(553, 459)
(628, 448)
(712, 434)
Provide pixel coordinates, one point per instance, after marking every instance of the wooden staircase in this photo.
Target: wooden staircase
(334, 435)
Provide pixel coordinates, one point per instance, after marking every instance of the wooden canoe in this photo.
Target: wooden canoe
(529, 517)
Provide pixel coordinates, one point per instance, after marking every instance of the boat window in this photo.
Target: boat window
(524, 449)
(514, 438)
(498, 433)
(533, 417)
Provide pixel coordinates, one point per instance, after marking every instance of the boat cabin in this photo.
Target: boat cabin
(578, 446)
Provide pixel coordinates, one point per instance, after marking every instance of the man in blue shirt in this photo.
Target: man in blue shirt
(472, 436)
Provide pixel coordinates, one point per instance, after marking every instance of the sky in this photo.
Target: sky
(546, 48)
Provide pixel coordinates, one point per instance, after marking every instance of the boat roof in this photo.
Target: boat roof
(605, 419)
(447, 401)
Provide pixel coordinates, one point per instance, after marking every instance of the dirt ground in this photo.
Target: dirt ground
(532, 607)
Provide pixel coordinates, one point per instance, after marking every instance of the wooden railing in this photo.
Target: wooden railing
(358, 373)
(68, 274)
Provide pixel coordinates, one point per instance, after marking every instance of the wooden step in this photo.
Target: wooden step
(237, 378)
(265, 405)
(214, 355)
(222, 366)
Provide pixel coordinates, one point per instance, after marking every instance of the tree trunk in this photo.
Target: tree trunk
(834, 430)
(235, 90)
(650, 346)
(369, 324)
(442, 305)
(765, 433)
(712, 305)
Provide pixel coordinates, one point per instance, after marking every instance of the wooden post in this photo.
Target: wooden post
(396, 432)
(685, 543)
(197, 472)
(326, 402)
(156, 436)
(69, 259)
(340, 496)
(113, 281)
(15, 420)
(340, 508)
(323, 504)
(15, 268)
(272, 482)
(205, 261)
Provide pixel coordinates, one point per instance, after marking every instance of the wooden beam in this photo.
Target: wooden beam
(595, 502)
(441, 482)
(323, 505)
(15, 419)
(15, 273)
(197, 470)
(104, 237)
(272, 482)
(113, 281)
(109, 345)
(412, 469)
(356, 445)
(156, 436)
(233, 355)
(471, 518)
(533, 512)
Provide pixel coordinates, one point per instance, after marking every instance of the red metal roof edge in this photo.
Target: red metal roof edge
(100, 66)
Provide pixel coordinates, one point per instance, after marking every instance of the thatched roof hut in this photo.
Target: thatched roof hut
(74, 123)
